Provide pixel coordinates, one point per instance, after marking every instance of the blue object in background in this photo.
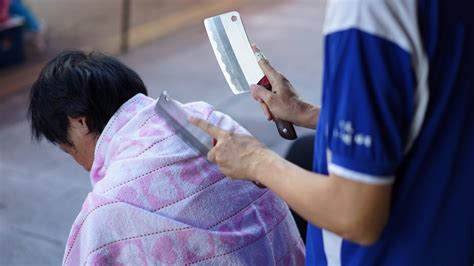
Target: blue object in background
(11, 42)
(18, 8)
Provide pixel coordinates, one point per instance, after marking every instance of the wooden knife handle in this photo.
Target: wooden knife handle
(285, 128)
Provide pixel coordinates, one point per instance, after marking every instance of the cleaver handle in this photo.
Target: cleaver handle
(285, 128)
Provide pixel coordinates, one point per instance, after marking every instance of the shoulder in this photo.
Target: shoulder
(393, 20)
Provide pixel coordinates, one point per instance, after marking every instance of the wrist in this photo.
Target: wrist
(309, 115)
(263, 164)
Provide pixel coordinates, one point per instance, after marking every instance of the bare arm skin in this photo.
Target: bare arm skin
(353, 210)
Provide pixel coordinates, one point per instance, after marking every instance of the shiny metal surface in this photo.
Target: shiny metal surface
(177, 117)
(233, 51)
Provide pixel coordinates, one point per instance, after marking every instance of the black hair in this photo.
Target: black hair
(75, 84)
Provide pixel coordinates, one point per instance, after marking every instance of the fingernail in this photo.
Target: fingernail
(255, 47)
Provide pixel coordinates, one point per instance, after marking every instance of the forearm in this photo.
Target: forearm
(304, 191)
(324, 201)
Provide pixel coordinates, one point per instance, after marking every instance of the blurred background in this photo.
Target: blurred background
(42, 189)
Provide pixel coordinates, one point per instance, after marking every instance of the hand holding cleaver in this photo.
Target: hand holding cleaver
(237, 61)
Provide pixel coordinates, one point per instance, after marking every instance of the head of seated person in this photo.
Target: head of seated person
(75, 96)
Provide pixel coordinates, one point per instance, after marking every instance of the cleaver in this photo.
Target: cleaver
(177, 117)
(237, 61)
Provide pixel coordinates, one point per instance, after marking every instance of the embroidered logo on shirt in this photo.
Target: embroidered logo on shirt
(346, 133)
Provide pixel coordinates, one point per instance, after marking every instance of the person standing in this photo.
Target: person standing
(393, 168)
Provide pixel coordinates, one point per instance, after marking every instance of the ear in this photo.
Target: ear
(79, 123)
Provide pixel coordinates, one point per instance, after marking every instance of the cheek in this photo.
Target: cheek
(76, 155)
(82, 159)
(83, 150)
(78, 158)
(85, 158)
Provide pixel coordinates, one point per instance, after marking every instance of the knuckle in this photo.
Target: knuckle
(211, 159)
(257, 93)
(211, 156)
(228, 135)
(264, 96)
(263, 61)
(282, 78)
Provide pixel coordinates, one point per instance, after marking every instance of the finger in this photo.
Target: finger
(266, 111)
(267, 69)
(257, 95)
(211, 156)
(259, 92)
(212, 130)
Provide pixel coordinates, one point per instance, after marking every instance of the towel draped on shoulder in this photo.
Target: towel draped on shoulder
(157, 201)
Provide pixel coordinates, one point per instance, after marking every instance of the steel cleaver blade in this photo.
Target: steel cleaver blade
(237, 61)
(177, 117)
(233, 51)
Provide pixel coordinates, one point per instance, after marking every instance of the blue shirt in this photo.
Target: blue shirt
(398, 108)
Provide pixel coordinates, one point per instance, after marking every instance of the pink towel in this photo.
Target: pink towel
(155, 201)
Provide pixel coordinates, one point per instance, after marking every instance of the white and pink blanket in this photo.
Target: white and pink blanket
(155, 201)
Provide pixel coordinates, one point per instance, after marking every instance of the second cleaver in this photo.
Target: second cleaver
(237, 61)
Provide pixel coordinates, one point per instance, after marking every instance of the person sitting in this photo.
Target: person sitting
(154, 200)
